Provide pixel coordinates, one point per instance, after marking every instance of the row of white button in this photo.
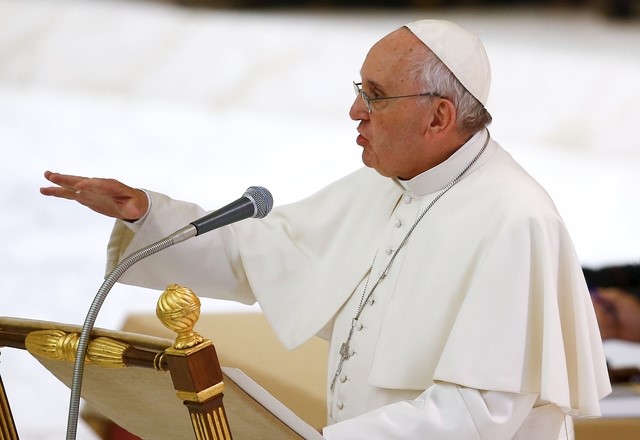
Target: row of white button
(359, 326)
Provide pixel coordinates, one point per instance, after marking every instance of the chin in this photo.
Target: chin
(380, 171)
(369, 160)
(372, 163)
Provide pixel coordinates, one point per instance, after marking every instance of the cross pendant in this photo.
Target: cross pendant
(344, 351)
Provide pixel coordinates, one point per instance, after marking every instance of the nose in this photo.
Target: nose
(358, 110)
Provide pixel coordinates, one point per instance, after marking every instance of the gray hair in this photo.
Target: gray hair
(435, 77)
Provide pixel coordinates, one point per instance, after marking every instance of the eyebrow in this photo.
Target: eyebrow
(373, 85)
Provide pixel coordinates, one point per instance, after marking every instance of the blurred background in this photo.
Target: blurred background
(201, 99)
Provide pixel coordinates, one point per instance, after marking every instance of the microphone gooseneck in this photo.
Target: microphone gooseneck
(255, 202)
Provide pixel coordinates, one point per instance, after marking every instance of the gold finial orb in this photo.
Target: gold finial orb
(178, 309)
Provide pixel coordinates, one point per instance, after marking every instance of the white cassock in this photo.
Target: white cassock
(482, 328)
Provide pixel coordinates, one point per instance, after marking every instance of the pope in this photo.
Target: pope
(441, 272)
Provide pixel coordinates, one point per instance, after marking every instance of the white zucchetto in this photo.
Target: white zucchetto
(460, 50)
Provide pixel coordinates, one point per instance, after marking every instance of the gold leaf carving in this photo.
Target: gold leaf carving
(53, 344)
(107, 352)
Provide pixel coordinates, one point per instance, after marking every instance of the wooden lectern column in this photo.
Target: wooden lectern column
(7, 425)
(197, 378)
(193, 363)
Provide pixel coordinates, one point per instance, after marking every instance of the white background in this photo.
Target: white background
(203, 104)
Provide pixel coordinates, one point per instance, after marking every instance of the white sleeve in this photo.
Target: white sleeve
(444, 411)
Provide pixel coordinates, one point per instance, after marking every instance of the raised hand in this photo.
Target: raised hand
(105, 196)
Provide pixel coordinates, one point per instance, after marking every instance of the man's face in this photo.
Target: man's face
(392, 135)
(618, 314)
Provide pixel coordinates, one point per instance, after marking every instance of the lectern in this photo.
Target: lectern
(153, 387)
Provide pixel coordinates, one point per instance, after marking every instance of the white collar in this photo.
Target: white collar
(438, 177)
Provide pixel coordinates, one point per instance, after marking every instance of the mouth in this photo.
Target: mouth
(361, 140)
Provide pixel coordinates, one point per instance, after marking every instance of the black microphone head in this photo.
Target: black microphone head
(262, 200)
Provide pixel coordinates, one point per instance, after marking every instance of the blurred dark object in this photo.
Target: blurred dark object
(624, 375)
(621, 9)
(615, 9)
(624, 277)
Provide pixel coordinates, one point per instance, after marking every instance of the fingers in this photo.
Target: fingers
(105, 196)
(65, 180)
(71, 187)
(60, 192)
(107, 187)
(66, 185)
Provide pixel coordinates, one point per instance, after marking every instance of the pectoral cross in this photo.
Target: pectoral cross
(345, 353)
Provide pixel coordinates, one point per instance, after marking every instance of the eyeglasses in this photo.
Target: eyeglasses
(357, 87)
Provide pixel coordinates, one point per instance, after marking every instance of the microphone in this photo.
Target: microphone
(256, 202)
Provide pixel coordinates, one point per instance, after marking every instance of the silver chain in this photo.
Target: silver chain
(345, 349)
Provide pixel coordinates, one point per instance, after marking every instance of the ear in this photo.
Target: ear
(443, 117)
